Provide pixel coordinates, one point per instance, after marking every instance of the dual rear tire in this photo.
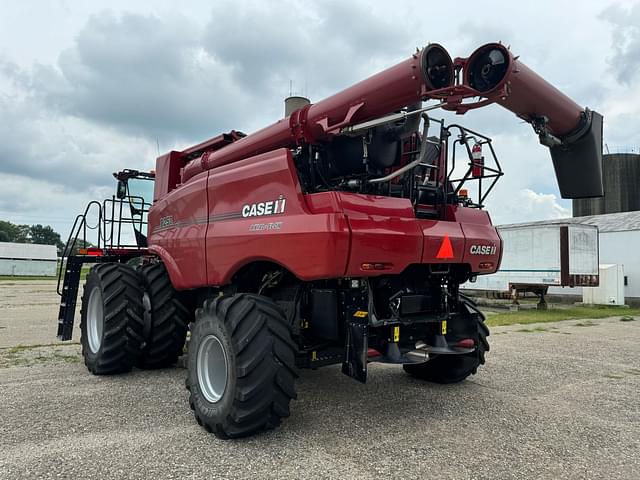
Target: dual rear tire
(112, 325)
(130, 318)
(166, 319)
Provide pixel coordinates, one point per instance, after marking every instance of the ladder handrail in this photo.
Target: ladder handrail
(109, 229)
(79, 224)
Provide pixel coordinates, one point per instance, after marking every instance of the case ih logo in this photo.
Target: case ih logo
(483, 250)
(272, 207)
(166, 222)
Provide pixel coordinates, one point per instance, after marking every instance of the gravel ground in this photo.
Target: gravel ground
(553, 401)
(29, 312)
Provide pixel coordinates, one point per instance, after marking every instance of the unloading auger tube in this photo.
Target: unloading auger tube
(572, 133)
(406, 83)
(491, 74)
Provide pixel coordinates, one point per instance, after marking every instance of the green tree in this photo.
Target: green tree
(14, 233)
(46, 235)
(24, 234)
(41, 234)
(7, 231)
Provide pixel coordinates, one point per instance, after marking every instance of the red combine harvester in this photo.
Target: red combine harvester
(340, 234)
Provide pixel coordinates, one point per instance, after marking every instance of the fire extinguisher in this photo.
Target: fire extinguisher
(477, 168)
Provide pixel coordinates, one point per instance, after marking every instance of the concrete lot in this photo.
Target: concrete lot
(561, 402)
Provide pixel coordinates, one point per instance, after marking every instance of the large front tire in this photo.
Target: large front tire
(111, 319)
(241, 368)
(455, 368)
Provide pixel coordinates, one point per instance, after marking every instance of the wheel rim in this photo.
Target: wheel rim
(146, 315)
(212, 368)
(95, 320)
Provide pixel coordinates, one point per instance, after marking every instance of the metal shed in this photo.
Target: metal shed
(27, 259)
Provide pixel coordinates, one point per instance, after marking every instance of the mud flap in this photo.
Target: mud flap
(355, 351)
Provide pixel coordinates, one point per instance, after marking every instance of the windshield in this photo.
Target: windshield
(140, 189)
(140, 193)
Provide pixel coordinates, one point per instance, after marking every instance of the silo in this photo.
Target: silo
(621, 177)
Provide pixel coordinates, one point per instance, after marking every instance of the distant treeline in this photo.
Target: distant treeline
(41, 234)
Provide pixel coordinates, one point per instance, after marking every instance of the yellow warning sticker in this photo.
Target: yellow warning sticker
(396, 334)
(444, 327)
(361, 314)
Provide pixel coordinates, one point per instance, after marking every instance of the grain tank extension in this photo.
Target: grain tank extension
(337, 235)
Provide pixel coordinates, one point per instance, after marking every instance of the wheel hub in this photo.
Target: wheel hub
(95, 320)
(211, 365)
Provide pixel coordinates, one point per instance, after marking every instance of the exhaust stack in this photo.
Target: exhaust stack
(293, 103)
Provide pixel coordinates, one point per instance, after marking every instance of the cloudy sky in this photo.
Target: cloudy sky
(88, 88)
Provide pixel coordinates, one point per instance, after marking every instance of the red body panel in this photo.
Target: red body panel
(383, 230)
(177, 231)
(167, 173)
(434, 232)
(311, 246)
(205, 231)
(478, 230)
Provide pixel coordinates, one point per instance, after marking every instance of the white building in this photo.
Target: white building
(27, 259)
(619, 244)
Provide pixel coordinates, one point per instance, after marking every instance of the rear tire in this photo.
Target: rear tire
(455, 368)
(241, 368)
(111, 319)
(165, 316)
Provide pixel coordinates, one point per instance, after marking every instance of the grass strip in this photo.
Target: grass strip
(524, 317)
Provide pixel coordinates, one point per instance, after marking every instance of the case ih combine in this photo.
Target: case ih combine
(340, 234)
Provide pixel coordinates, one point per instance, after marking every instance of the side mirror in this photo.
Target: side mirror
(121, 190)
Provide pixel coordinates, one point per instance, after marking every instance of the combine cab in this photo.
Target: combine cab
(338, 235)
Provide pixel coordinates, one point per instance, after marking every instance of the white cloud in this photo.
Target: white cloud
(64, 150)
(29, 201)
(527, 205)
(625, 58)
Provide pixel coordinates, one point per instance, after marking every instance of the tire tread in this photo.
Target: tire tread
(265, 365)
(122, 298)
(169, 319)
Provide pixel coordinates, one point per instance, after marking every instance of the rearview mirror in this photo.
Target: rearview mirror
(121, 191)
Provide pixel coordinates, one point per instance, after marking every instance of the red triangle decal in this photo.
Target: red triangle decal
(446, 250)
